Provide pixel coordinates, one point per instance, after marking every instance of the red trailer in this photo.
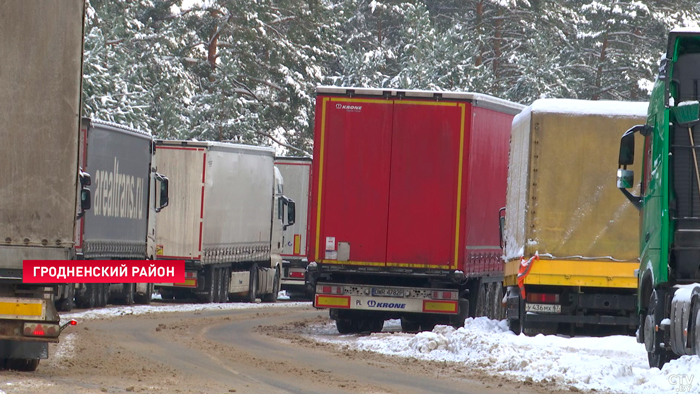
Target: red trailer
(405, 187)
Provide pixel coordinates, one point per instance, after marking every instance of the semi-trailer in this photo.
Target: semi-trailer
(43, 189)
(226, 219)
(122, 222)
(570, 251)
(404, 183)
(296, 172)
(669, 203)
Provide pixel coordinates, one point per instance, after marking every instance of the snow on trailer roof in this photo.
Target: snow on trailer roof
(477, 99)
(117, 126)
(693, 30)
(590, 107)
(214, 145)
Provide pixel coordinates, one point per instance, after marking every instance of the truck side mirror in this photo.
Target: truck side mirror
(625, 179)
(626, 157)
(85, 195)
(164, 199)
(85, 199)
(501, 225)
(291, 213)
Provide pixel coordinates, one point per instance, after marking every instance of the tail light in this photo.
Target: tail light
(296, 274)
(329, 289)
(444, 295)
(41, 330)
(543, 297)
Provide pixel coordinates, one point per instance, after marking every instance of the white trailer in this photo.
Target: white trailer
(296, 172)
(225, 219)
(40, 77)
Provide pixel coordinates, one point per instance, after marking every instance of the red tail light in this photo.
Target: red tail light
(543, 297)
(39, 331)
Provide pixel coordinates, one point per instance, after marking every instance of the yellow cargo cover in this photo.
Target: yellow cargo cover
(562, 198)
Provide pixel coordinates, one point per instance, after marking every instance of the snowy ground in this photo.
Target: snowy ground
(609, 364)
(147, 309)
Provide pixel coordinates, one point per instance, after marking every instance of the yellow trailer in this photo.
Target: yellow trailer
(570, 237)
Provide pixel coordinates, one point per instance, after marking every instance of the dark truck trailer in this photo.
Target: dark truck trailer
(405, 184)
(122, 221)
(40, 78)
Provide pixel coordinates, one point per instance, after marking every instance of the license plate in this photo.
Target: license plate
(543, 308)
(384, 292)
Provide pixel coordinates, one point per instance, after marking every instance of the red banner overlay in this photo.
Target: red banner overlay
(103, 271)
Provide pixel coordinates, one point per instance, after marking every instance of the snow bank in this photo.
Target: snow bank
(147, 309)
(609, 364)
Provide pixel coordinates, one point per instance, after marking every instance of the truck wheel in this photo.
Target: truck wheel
(23, 364)
(66, 303)
(90, 295)
(409, 325)
(210, 283)
(253, 286)
(102, 294)
(145, 299)
(428, 325)
(225, 283)
(272, 297)
(375, 324)
(345, 326)
(128, 290)
(218, 285)
(480, 301)
(657, 357)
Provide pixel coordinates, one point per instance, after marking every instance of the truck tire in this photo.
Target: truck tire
(90, 297)
(253, 286)
(145, 299)
(345, 326)
(272, 297)
(480, 301)
(375, 324)
(427, 324)
(65, 304)
(103, 295)
(225, 283)
(208, 296)
(23, 364)
(657, 357)
(408, 325)
(218, 285)
(128, 291)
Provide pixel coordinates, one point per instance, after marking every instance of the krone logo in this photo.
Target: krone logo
(349, 108)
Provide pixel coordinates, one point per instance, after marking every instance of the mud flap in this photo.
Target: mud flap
(28, 350)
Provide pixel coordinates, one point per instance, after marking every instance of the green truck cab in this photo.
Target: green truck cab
(669, 204)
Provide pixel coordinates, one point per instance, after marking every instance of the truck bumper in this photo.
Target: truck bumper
(294, 274)
(597, 309)
(375, 299)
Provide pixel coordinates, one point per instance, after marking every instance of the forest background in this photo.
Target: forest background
(246, 70)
